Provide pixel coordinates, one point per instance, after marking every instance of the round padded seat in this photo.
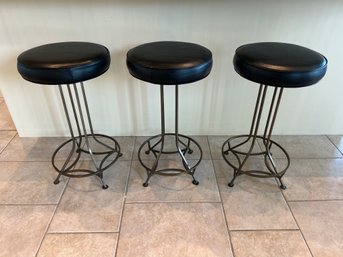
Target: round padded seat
(63, 63)
(169, 62)
(279, 64)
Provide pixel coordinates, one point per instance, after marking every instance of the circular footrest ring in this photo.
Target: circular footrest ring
(68, 168)
(272, 171)
(157, 148)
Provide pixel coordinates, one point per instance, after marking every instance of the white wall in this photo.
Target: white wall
(220, 104)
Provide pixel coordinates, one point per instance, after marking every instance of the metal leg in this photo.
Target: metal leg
(69, 167)
(272, 170)
(181, 147)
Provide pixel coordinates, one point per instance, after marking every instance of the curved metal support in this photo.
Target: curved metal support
(181, 148)
(241, 156)
(69, 168)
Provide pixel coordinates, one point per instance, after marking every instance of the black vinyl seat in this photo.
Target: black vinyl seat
(68, 65)
(277, 65)
(64, 62)
(169, 62)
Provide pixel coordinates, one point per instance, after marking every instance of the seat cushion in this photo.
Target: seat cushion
(279, 64)
(169, 63)
(63, 63)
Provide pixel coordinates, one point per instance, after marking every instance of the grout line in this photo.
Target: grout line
(296, 222)
(80, 232)
(334, 145)
(222, 205)
(27, 204)
(52, 217)
(8, 142)
(169, 202)
(264, 230)
(124, 197)
(320, 200)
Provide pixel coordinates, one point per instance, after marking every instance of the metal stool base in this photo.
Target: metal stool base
(81, 143)
(110, 156)
(267, 145)
(157, 149)
(272, 171)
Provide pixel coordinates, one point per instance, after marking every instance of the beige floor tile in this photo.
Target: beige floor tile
(32, 149)
(306, 147)
(78, 245)
(173, 229)
(337, 141)
(29, 183)
(6, 122)
(86, 207)
(170, 146)
(314, 179)
(5, 138)
(216, 144)
(173, 188)
(253, 203)
(322, 226)
(269, 244)
(23, 228)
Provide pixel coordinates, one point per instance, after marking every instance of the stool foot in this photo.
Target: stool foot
(231, 184)
(282, 185)
(145, 184)
(195, 182)
(57, 181)
(104, 186)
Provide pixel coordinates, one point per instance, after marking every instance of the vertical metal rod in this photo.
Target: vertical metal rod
(270, 113)
(71, 133)
(268, 145)
(257, 124)
(274, 116)
(83, 126)
(258, 99)
(90, 120)
(177, 127)
(87, 109)
(74, 111)
(163, 128)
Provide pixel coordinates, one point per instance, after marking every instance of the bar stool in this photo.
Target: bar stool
(169, 63)
(277, 65)
(69, 64)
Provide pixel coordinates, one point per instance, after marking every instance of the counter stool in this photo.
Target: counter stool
(277, 65)
(169, 63)
(69, 64)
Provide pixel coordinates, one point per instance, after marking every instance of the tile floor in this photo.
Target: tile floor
(171, 217)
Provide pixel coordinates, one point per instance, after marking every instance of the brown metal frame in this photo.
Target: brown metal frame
(242, 157)
(158, 148)
(69, 168)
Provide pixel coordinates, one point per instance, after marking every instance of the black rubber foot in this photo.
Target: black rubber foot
(145, 184)
(120, 154)
(226, 152)
(283, 187)
(195, 182)
(104, 186)
(231, 184)
(147, 152)
(56, 182)
(190, 151)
